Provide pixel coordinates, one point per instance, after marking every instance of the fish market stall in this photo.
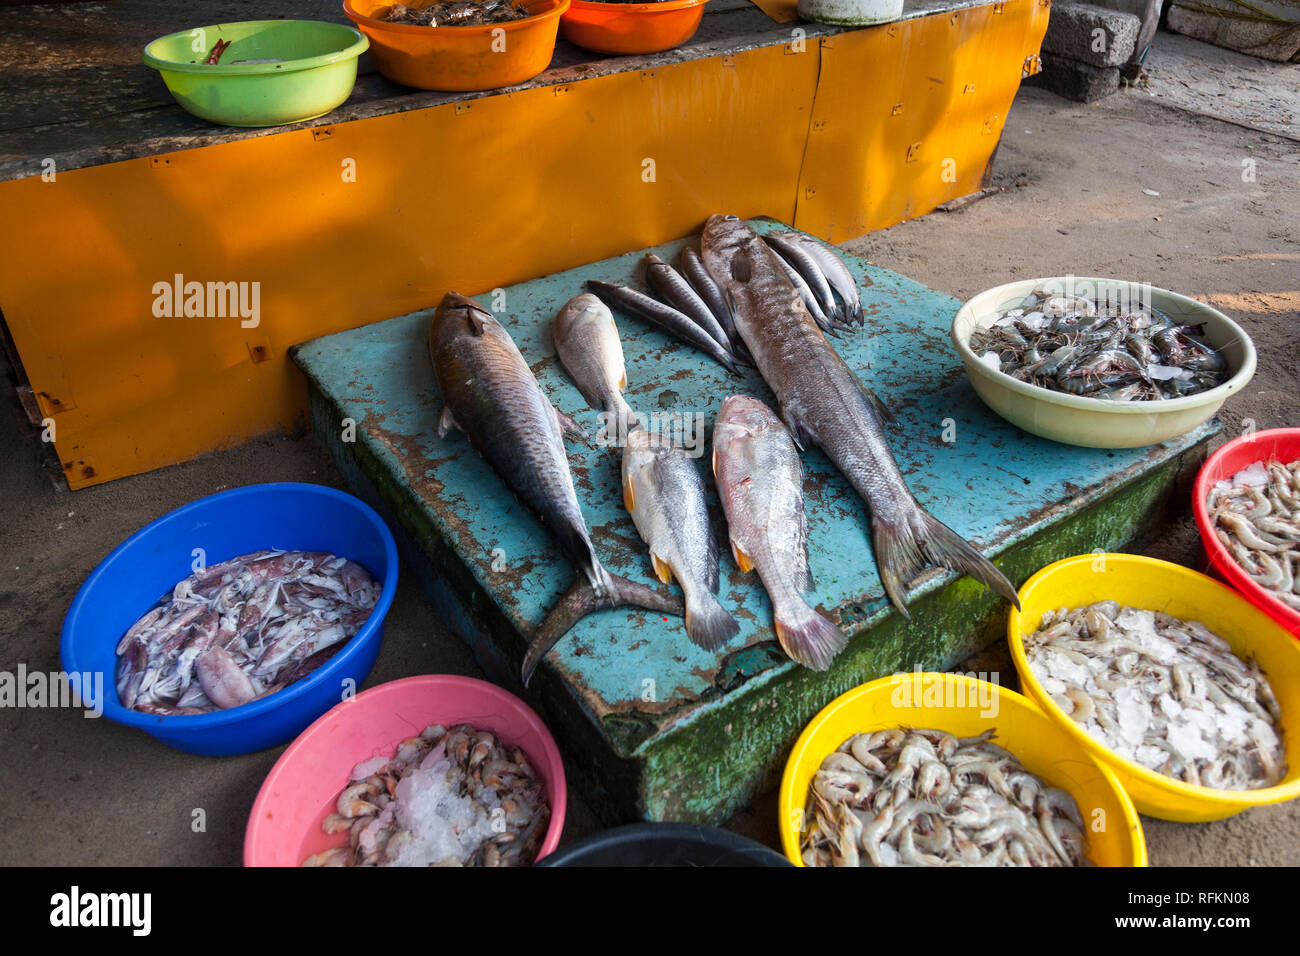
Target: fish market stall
(658, 727)
(150, 260)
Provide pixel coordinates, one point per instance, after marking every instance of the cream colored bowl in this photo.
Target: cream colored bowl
(1093, 422)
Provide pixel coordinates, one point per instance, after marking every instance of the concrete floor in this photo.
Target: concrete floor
(91, 792)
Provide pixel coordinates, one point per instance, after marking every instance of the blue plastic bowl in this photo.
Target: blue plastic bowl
(149, 563)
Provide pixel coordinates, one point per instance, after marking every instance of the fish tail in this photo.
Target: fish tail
(627, 418)
(905, 548)
(708, 623)
(807, 637)
(584, 597)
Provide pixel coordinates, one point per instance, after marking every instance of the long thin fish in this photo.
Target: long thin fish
(586, 339)
(824, 322)
(760, 482)
(704, 286)
(837, 273)
(806, 266)
(664, 317)
(824, 404)
(664, 493)
(677, 292)
(492, 396)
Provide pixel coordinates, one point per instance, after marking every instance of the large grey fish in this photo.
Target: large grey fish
(760, 482)
(664, 493)
(492, 396)
(824, 404)
(586, 339)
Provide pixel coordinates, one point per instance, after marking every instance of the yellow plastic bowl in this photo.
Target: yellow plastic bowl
(1160, 586)
(1092, 422)
(909, 700)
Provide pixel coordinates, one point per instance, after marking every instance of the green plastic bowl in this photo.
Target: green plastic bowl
(312, 70)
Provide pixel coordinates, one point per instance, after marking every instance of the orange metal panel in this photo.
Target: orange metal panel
(908, 115)
(471, 196)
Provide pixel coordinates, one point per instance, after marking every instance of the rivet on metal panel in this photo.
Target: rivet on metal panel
(1032, 66)
(560, 90)
(809, 192)
(462, 108)
(258, 352)
(897, 110)
(160, 162)
(647, 74)
(970, 88)
(818, 125)
(321, 132)
(728, 60)
(55, 405)
(912, 152)
(81, 467)
(990, 125)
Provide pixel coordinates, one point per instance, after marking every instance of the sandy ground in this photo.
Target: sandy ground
(95, 793)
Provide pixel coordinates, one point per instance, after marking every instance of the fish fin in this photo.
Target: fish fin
(807, 637)
(446, 422)
(743, 561)
(582, 599)
(797, 433)
(883, 410)
(474, 319)
(708, 624)
(742, 270)
(569, 427)
(662, 570)
(629, 495)
(627, 418)
(905, 547)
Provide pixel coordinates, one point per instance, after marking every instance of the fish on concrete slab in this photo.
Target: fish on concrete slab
(493, 397)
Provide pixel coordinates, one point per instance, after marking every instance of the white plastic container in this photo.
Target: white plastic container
(851, 13)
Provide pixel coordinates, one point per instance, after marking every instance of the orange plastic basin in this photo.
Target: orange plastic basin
(631, 27)
(460, 59)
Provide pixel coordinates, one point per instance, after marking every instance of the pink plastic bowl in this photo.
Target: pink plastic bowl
(284, 827)
(1280, 443)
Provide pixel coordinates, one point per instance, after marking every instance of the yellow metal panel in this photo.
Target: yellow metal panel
(908, 115)
(471, 196)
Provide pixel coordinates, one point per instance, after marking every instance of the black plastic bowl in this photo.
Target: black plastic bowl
(665, 844)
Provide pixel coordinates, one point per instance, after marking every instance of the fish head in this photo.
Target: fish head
(579, 310)
(742, 418)
(458, 316)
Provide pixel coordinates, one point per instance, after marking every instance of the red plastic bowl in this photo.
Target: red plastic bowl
(284, 827)
(1280, 443)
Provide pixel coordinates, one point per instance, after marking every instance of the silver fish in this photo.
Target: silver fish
(837, 273)
(807, 267)
(704, 286)
(678, 293)
(664, 317)
(823, 403)
(586, 339)
(664, 493)
(492, 396)
(760, 482)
